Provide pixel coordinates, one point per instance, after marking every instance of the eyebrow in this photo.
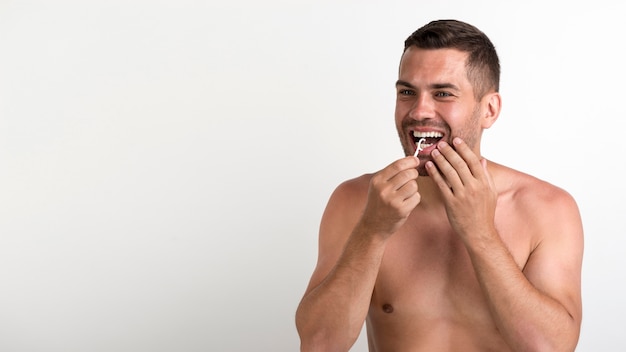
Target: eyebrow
(432, 86)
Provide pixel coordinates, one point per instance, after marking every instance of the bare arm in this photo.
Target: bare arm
(539, 308)
(353, 233)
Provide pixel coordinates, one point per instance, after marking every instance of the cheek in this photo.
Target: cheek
(399, 117)
(400, 110)
(471, 130)
(462, 122)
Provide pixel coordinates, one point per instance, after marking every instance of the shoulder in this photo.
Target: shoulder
(352, 190)
(342, 213)
(539, 202)
(550, 218)
(346, 204)
(533, 194)
(347, 201)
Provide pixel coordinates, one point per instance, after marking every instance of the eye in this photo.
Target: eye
(443, 94)
(406, 92)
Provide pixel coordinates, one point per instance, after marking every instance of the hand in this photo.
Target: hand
(392, 196)
(468, 190)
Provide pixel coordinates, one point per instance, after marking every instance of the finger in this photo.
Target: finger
(436, 176)
(456, 161)
(407, 163)
(407, 190)
(471, 161)
(445, 168)
(412, 201)
(404, 177)
(388, 181)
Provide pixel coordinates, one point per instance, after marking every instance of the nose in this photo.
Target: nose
(422, 108)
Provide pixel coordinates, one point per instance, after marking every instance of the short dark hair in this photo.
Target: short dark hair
(483, 65)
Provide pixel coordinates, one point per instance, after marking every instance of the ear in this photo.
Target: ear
(492, 103)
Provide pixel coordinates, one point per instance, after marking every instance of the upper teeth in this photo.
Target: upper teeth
(418, 134)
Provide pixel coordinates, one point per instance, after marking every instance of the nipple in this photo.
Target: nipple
(387, 308)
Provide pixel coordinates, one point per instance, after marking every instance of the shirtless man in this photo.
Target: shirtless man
(446, 251)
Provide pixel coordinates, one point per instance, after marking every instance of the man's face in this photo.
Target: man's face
(435, 100)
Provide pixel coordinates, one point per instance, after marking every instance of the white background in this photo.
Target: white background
(164, 164)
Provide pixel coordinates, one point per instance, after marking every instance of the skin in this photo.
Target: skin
(447, 251)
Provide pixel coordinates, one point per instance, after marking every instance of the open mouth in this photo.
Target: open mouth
(430, 138)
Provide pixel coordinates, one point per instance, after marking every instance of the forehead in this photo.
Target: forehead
(429, 66)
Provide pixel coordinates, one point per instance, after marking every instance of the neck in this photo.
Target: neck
(429, 192)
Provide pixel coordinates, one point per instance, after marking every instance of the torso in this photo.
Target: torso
(427, 297)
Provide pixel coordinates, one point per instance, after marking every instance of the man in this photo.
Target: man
(446, 251)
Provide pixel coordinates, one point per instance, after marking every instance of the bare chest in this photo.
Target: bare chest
(426, 279)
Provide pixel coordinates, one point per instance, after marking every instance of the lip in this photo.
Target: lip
(429, 149)
(426, 150)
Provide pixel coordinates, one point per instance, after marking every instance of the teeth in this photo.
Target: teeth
(433, 134)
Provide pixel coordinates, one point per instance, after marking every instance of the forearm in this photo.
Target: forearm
(331, 316)
(528, 319)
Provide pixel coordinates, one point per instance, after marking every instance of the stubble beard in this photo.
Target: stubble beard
(468, 132)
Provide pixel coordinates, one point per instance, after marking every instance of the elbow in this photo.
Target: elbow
(312, 338)
(320, 340)
(565, 341)
(320, 337)
(321, 344)
(553, 346)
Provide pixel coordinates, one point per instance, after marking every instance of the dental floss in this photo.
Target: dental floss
(419, 146)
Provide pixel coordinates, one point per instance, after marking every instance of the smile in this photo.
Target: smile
(430, 138)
